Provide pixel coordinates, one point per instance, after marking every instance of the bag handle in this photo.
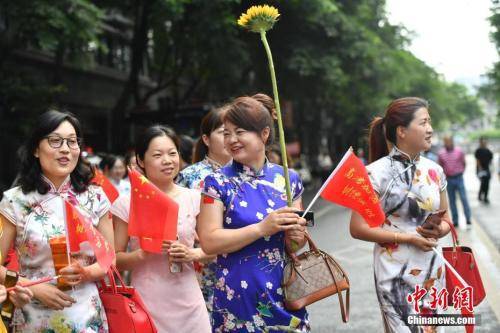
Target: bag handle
(344, 310)
(311, 244)
(453, 231)
(112, 271)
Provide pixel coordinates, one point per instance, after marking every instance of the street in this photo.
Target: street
(331, 234)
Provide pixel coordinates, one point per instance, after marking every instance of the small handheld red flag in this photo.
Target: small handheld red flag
(153, 214)
(109, 189)
(80, 229)
(349, 186)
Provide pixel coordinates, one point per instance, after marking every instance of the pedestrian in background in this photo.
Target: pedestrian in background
(186, 151)
(360, 153)
(130, 160)
(484, 156)
(498, 167)
(430, 154)
(452, 159)
(113, 167)
(410, 187)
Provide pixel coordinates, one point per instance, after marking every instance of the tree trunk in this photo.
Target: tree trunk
(118, 139)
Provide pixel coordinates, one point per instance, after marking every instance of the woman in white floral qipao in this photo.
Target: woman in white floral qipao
(410, 187)
(52, 170)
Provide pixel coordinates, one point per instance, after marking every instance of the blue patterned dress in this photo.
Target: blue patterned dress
(193, 177)
(248, 295)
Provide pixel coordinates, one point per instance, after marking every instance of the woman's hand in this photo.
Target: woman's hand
(143, 255)
(297, 235)
(424, 244)
(436, 232)
(179, 252)
(283, 219)
(435, 227)
(74, 274)
(20, 296)
(52, 297)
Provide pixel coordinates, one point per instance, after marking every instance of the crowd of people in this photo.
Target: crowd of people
(233, 222)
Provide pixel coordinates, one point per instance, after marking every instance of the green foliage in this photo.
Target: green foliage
(339, 62)
(46, 24)
(491, 89)
(488, 134)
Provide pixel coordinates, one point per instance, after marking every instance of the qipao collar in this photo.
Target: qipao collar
(63, 189)
(248, 171)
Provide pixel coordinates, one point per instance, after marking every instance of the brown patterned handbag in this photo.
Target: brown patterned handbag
(311, 276)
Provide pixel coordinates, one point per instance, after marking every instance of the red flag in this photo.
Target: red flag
(109, 189)
(80, 229)
(349, 186)
(153, 214)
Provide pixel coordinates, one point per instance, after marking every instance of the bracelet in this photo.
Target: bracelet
(396, 238)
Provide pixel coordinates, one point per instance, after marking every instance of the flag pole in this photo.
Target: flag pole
(462, 281)
(67, 235)
(334, 172)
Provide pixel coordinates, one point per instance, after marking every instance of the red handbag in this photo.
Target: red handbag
(462, 259)
(125, 310)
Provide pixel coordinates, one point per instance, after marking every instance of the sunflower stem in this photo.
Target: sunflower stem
(281, 133)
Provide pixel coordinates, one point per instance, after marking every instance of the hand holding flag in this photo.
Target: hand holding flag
(80, 229)
(153, 214)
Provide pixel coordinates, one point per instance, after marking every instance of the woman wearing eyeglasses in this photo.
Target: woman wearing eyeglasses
(32, 213)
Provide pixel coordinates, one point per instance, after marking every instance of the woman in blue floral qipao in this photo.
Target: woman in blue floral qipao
(244, 219)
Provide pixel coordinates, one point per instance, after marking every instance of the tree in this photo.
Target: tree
(491, 90)
(64, 28)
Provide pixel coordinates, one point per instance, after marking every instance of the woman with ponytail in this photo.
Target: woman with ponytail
(209, 152)
(411, 188)
(209, 156)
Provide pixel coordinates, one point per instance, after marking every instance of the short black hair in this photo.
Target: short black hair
(186, 145)
(30, 177)
(153, 131)
(109, 161)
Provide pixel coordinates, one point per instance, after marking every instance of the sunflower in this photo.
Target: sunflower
(259, 18)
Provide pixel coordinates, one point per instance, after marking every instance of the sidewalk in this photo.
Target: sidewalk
(484, 239)
(487, 215)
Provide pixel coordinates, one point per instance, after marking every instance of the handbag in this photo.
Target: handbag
(461, 258)
(124, 307)
(311, 276)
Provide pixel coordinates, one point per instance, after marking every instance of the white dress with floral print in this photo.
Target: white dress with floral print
(39, 217)
(409, 191)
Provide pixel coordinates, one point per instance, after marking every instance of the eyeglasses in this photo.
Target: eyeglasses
(56, 141)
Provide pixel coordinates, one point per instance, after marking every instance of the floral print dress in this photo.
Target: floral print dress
(409, 191)
(39, 217)
(248, 296)
(193, 177)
